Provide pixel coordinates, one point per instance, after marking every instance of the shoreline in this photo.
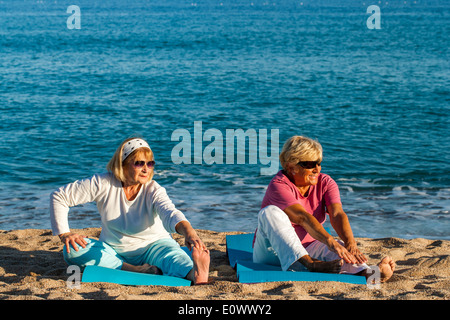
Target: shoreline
(32, 268)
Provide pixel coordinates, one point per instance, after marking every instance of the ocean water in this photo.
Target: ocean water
(377, 100)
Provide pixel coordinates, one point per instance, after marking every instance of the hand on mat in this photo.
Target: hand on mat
(353, 249)
(72, 239)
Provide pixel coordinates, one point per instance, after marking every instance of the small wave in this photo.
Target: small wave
(443, 194)
(348, 188)
(399, 191)
(356, 183)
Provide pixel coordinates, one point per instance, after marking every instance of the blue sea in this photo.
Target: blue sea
(378, 100)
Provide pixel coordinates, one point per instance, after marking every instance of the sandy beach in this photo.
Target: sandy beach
(32, 268)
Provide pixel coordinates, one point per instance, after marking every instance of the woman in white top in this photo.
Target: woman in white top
(137, 218)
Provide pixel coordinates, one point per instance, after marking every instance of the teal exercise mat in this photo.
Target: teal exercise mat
(240, 255)
(239, 248)
(249, 272)
(101, 274)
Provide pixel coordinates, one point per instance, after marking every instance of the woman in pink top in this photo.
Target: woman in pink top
(294, 208)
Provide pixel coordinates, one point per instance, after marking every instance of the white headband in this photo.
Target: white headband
(132, 145)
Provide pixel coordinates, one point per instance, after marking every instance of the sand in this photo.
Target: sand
(32, 268)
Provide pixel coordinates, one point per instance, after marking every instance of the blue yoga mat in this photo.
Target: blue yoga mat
(239, 248)
(240, 255)
(101, 274)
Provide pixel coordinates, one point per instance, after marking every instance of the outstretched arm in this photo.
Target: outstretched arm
(299, 215)
(191, 239)
(339, 222)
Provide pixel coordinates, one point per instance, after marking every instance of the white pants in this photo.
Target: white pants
(277, 243)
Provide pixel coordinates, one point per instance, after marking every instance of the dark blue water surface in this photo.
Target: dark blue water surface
(378, 101)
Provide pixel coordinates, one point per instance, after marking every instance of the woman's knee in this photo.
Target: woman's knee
(271, 210)
(95, 253)
(79, 251)
(273, 215)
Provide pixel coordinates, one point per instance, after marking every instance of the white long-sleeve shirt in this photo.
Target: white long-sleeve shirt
(129, 227)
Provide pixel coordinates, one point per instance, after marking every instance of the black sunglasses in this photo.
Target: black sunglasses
(309, 164)
(140, 164)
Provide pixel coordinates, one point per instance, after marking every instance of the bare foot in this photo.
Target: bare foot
(201, 265)
(387, 267)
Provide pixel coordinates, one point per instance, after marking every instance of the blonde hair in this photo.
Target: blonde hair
(300, 148)
(116, 165)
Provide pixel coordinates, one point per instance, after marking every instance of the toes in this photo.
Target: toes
(389, 261)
